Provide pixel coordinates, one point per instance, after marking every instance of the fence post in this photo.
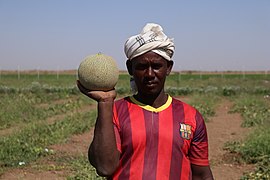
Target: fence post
(57, 73)
(18, 73)
(76, 74)
(38, 73)
(200, 72)
(243, 72)
(179, 77)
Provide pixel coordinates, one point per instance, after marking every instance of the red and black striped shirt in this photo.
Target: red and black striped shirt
(158, 143)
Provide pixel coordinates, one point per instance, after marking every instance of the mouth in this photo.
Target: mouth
(150, 84)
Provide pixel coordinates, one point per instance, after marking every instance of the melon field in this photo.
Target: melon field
(46, 124)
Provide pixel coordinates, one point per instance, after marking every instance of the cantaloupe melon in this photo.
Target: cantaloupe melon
(98, 72)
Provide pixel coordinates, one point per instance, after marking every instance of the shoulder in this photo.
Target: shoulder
(122, 104)
(122, 100)
(190, 113)
(187, 108)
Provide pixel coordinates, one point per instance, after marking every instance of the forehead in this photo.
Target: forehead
(149, 57)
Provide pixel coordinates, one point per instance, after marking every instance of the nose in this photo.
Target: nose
(150, 72)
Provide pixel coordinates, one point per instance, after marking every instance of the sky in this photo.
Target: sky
(209, 35)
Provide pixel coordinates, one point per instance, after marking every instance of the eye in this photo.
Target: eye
(157, 65)
(141, 66)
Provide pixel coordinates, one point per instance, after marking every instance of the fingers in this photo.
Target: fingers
(82, 88)
(97, 95)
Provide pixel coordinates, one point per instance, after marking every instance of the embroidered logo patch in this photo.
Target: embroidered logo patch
(185, 131)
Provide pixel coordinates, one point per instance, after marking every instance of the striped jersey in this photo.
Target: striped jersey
(158, 143)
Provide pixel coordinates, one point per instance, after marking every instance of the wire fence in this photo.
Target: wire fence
(58, 73)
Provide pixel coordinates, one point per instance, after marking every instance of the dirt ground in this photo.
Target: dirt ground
(224, 127)
(221, 128)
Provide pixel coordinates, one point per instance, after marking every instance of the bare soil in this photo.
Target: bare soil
(223, 127)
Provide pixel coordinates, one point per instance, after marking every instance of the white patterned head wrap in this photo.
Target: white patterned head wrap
(151, 38)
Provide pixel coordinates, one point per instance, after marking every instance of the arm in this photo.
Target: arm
(103, 153)
(201, 172)
(199, 151)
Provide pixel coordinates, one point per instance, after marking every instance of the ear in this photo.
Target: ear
(169, 67)
(129, 67)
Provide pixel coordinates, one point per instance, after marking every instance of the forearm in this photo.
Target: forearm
(208, 177)
(103, 153)
(201, 172)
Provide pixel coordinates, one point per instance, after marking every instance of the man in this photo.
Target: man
(149, 135)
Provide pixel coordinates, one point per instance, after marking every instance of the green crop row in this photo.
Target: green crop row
(225, 90)
(36, 87)
(254, 110)
(81, 169)
(62, 80)
(29, 107)
(32, 142)
(256, 147)
(256, 150)
(205, 104)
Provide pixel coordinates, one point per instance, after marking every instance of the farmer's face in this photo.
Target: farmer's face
(149, 71)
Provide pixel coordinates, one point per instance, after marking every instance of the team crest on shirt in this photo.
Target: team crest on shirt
(185, 131)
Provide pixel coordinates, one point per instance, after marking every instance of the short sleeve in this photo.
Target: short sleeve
(199, 145)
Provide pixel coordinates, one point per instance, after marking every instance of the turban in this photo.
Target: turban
(151, 38)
